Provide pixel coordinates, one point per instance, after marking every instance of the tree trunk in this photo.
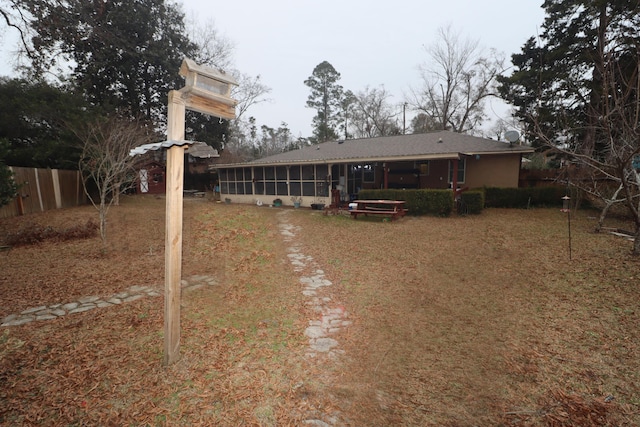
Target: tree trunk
(116, 194)
(607, 206)
(636, 242)
(103, 222)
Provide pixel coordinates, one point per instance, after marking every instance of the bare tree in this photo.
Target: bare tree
(372, 115)
(216, 50)
(457, 79)
(13, 15)
(212, 48)
(105, 161)
(249, 92)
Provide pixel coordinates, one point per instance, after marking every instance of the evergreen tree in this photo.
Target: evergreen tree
(8, 186)
(326, 98)
(578, 89)
(35, 120)
(124, 54)
(557, 83)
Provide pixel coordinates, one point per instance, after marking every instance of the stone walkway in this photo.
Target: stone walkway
(331, 316)
(87, 303)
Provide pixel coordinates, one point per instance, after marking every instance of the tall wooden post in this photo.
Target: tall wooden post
(454, 179)
(207, 91)
(173, 230)
(385, 170)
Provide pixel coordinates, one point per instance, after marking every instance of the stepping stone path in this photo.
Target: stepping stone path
(87, 303)
(331, 317)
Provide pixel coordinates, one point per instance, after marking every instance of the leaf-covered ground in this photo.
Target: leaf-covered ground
(461, 321)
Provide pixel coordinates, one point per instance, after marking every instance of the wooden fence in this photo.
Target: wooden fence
(40, 190)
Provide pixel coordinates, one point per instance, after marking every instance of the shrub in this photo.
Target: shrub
(473, 202)
(524, 197)
(419, 202)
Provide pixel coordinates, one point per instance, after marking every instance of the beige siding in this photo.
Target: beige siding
(492, 171)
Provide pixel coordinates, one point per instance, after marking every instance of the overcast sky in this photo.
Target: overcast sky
(368, 42)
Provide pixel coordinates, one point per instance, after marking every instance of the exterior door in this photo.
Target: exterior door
(144, 181)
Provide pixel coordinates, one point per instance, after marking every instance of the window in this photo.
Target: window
(236, 181)
(461, 170)
(423, 167)
(282, 181)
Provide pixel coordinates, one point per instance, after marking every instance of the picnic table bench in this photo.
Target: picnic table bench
(392, 208)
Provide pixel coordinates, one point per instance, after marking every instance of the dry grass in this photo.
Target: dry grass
(457, 322)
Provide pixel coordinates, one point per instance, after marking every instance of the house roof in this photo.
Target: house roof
(202, 151)
(434, 145)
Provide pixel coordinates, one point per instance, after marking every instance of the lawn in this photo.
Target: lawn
(463, 321)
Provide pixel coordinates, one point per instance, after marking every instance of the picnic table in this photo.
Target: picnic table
(393, 208)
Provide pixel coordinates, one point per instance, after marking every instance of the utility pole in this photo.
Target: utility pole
(404, 118)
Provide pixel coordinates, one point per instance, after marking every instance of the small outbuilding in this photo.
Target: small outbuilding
(317, 173)
(200, 157)
(151, 178)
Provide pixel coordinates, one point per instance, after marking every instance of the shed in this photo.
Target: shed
(151, 178)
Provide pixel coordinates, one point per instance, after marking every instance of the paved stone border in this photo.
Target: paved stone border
(87, 303)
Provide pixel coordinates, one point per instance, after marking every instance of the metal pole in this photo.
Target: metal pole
(569, 225)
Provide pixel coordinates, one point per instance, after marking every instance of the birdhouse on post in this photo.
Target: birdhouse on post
(207, 90)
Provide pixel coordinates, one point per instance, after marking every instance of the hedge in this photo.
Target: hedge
(419, 202)
(440, 202)
(523, 197)
(472, 202)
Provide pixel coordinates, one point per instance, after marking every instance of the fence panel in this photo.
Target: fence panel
(71, 190)
(40, 190)
(46, 189)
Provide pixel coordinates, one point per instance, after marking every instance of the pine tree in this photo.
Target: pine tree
(325, 97)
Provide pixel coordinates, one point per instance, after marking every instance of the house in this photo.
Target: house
(437, 160)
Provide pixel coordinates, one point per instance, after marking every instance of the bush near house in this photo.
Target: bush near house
(419, 202)
(524, 197)
(473, 201)
(440, 202)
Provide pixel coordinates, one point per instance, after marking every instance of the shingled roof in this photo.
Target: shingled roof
(425, 146)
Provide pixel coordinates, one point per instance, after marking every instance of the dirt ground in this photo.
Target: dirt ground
(463, 321)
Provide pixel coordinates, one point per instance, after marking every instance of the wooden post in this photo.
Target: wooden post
(385, 169)
(173, 233)
(454, 179)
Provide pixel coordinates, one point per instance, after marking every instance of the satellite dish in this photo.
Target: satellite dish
(512, 136)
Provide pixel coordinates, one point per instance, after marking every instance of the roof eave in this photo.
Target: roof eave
(500, 152)
(342, 161)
